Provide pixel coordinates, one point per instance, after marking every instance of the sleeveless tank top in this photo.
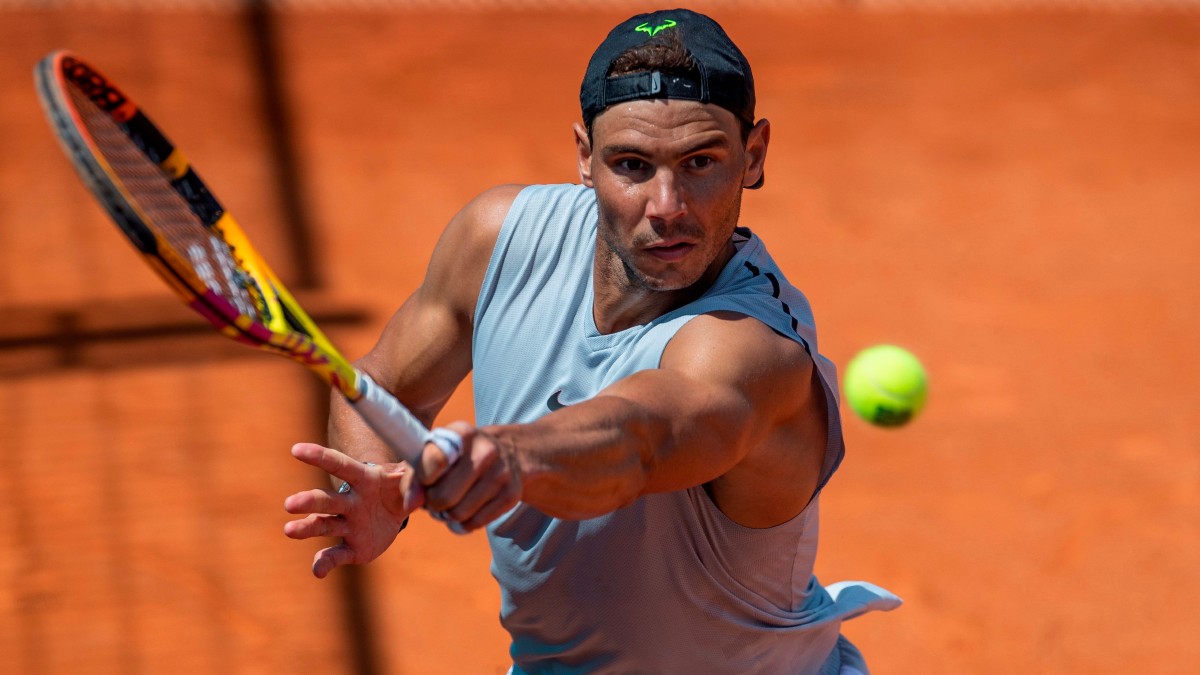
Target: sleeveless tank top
(668, 584)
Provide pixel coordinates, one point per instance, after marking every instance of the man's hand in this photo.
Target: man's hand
(368, 517)
(480, 487)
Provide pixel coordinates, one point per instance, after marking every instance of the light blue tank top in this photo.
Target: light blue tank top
(668, 584)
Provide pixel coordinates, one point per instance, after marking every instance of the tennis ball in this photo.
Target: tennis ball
(885, 385)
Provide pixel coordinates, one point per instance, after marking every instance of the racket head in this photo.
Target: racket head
(150, 190)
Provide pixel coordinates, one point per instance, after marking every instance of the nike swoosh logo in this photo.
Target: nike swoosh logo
(553, 403)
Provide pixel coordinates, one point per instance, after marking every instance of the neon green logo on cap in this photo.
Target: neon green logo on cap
(645, 28)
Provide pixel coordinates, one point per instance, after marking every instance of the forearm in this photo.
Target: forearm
(348, 433)
(597, 456)
(729, 408)
(420, 360)
(581, 461)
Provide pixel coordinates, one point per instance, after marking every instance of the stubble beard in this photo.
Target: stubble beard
(632, 278)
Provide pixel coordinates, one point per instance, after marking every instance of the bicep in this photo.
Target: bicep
(424, 351)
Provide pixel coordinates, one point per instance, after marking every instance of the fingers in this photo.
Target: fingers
(448, 487)
(434, 460)
(330, 461)
(414, 494)
(317, 502)
(367, 517)
(493, 492)
(480, 487)
(490, 511)
(330, 558)
(317, 525)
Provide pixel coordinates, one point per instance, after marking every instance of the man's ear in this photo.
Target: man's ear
(756, 152)
(583, 151)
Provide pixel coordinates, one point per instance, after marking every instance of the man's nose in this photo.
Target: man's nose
(666, 200)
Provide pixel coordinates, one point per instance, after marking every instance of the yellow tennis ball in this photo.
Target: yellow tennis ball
(885, 385)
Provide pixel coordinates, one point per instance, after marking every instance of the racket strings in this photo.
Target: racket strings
(168, 214)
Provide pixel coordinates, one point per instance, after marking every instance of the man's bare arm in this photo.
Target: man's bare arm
(424, 352)
(734, 406)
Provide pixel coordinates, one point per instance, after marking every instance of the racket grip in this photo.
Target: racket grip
(390, 420)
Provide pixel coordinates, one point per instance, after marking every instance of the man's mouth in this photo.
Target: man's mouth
(670, 251)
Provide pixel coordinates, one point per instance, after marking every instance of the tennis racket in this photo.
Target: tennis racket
(159, 202)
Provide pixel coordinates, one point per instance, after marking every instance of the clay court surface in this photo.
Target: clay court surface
(1013, 195)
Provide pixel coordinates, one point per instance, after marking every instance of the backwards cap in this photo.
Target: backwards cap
(724, 78)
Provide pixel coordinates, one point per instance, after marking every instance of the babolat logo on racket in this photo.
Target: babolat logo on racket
(653, 30)
(93, 85)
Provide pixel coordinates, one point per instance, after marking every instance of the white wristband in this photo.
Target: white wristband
(448, 441)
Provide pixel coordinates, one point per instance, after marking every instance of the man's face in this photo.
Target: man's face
(668, 176)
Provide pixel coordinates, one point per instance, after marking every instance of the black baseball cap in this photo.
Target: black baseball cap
(723, 79)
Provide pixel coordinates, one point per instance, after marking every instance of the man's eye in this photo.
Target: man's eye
(700, 162)
(631, 165)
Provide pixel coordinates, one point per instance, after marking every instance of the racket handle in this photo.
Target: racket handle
(390, 420)
(403, 432)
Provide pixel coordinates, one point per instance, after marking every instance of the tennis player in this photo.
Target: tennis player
(654, 421)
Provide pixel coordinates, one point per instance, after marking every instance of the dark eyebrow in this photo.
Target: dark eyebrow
(714, 142)
(610, 150)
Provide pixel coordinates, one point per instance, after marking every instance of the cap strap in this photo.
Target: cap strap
(650, 85)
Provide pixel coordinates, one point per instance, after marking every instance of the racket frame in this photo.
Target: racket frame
(290, 331)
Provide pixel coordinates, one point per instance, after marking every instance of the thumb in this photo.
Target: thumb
(414, 496)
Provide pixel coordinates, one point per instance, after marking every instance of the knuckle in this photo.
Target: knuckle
(483, 458)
